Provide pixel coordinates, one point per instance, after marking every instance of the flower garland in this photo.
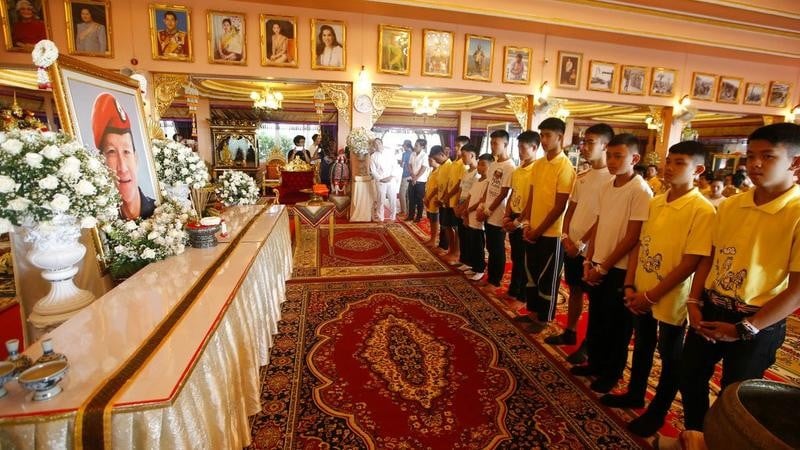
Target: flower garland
(177, 164)
(237, 188)
(45, 174)
(44, 54)
(359, 140)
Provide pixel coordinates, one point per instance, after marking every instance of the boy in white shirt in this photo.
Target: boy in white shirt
(419, 176)
(469, 157)
(475, 234)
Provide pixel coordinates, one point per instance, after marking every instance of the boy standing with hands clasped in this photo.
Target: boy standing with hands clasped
(742, 293)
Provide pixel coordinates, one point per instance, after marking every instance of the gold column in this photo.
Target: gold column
(519, 105)
(340, 95)
(661, 144)
(380, 100)
(165, 90)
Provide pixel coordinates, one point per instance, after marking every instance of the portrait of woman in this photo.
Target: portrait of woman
(88, 32)
(27, 24)
(278, 47)
(227, 29)
(328, 45)
(569, 65)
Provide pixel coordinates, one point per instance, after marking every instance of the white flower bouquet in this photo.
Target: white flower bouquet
(45, 174)
(359, 140)
(177, 164)
(236, 188)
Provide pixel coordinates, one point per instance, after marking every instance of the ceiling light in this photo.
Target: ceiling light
(425, 107)
(685, 101)
(267, 100)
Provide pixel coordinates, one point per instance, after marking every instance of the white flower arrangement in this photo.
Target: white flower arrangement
(177, 164)
(237, 188)
(132, 244)
(359, 140)
(45, 174)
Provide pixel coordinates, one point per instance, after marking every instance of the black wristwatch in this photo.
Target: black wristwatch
(745, 330)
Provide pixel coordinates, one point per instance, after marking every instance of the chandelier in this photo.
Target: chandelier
(267, 100)
(425, 107)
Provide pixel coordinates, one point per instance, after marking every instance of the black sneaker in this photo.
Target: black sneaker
(568, 337)
(646, 425)
(625, 400)
(578, 356)
(603, 384)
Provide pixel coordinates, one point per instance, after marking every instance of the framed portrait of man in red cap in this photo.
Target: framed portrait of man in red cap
(106, 113)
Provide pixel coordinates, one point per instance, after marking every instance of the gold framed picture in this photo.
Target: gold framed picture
(89, 28)
(394, 49)
(633, 80)
(170, 33)
(569, 70)
(226, 37)
(601, 76)
(754, 94)
(778, 95)
(328, 44)
(25, 22)
(517, 65)
(704, 86)
(278, 40)
(662, 82)
(437, 53)
(729, 89)
(478, 57)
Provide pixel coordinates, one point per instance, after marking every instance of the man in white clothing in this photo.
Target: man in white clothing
(382, 168)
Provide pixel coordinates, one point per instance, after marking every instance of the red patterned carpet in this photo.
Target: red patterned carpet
(417, 363)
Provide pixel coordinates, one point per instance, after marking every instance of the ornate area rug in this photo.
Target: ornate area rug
(362, 250)
(418, 363)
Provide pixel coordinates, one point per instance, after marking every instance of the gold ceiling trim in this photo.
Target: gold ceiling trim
(241, 89)
(749, 7)
(19, 78)
(455, 7)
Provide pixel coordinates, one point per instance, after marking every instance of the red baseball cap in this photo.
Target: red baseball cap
(108, 117)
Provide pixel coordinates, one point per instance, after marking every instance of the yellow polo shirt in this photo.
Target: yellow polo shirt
(656, 185)
(755, 247)
(433, 183)
(673, 229)
(443, 178)
(520, 187)
(549, 178)
(457, 171)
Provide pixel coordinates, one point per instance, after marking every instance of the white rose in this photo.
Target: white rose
(84, 187)
(49, 182)
(34, 160)
(7, 184)
(19, 204)
(88, 222)
(148, 253)
(130, 225)
(51, 152)
(168, 172)
(12, 146)
(94, 165)
(101, 200)
(49, 136)
(2, 137)
(60, 203)
(70, 168)
(5, 225)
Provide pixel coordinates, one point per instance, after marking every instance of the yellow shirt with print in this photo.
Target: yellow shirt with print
(656, 185)
(457, 171)
(443, 178)
(755, 247)
(673, 229)
(433, 182)
(520, 187)
(549, 178)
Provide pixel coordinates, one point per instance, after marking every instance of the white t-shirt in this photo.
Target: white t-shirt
(586, 195)
(498, 176)
(420, 160)
(618, 206)
(467, 180)
(475, 196)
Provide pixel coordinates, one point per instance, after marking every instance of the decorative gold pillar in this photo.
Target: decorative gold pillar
(339, 93)
(665, 129)
(519, 105)
(380, 100)
(165, 89)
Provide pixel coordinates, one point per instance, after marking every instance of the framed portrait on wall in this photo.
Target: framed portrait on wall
(478, 57)
(517, 65)
(226, 38)
(278, 40)
(394, 49)
(25, 22)
(328, 45)
(601, 76)
(568, 74)
(437, 53)
(633, 80)
(89, 28)
(662, 82)
(754, 94)
(729, 89)
(778, 95)
(170, 33)
(704, 86)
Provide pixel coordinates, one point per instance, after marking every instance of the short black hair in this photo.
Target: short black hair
(422, 142)
(738, 179)
(639, 170)
(553, 124)
(170, 13)
(602, 130)
(714, 179)
(692, 149)
(436, 150)
(529, 137)
(463, 139)
(486, 157)
(407, 144)
(470, 148)
(315, 136)
(503, 134)
(298, 138)
(785, 133)
(628, 140)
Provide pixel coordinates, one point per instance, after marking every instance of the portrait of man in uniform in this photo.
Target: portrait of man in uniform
(171, 38)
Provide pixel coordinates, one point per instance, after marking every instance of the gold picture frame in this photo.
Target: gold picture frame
(729, 89)
(568, 71)
(394, 49)
(602, 76)
(166, 45)
(633, 80)
(517, 64)
(704, 86)
(323, 56)
(92, 37)
(285, 43)
(226, 44)
(40, 24)
(476, 67)
(778, 94)
(754, 94)
(437, 53)
(662, 82)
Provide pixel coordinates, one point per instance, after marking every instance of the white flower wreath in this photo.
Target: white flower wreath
(237, 188)
(177, 164)
(359, 140)
(44, 54)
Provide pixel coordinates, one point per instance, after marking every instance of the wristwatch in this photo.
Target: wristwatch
(746, 330)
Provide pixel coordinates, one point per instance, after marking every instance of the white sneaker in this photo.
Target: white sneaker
(464, 267)
(476, 277)
(469, 273)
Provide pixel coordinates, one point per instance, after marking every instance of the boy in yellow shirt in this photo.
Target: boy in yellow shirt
(442, 179)
(431, 206)
(449, 199)
(742, 293)
(675, 236)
